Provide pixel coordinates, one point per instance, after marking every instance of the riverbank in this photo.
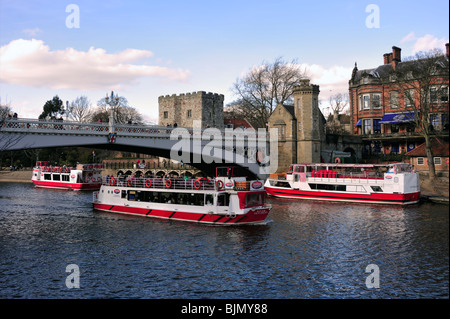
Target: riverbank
(16, 176)
(438, 188)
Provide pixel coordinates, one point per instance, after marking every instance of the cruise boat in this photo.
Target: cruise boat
(362, 183)
(227, 199)
(81, 177)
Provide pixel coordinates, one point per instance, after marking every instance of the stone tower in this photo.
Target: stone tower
(184, 109)
(300, 127)
(310, 122)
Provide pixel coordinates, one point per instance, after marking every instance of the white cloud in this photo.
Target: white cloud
(331, 80)
(425, 43)
(33, 63)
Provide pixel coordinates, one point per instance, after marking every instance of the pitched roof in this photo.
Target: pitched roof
(439, 148)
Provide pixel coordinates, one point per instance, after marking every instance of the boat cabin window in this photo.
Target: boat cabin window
(65, 177)
(254, 199)
(222, 171)
(56, 177)
(170, 198)
(223, 200)
(48, 177)
(299, 169)
(209, 199)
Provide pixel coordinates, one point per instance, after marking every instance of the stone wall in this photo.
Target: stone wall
(184, 109)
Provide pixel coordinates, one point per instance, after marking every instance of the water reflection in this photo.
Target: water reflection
(308, 250)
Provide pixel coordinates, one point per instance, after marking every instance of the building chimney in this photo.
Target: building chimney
(396, 56)
(386, 58)
(446, 48)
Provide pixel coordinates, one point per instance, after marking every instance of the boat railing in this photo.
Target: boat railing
(161, 183)
(345, 177)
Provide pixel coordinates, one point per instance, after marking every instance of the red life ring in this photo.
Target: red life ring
(219, 184)
(337, 160)
(168, 183)
(130, 183)
(112, 182)
(148, 183)
(446, 161)
(197, 184)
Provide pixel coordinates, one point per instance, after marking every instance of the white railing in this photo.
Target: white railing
(160, 183)
(23, 125)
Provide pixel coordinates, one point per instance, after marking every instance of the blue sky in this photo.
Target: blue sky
(144, 49)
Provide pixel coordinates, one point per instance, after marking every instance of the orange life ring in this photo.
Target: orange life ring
(112, 182)
(168, 183)
(148, 182)
(197, 184)
(130, 183)
(219, 184)
(446, 161)
(337, 160)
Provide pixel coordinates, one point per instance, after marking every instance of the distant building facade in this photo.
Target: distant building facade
(383, 116)
(184, 109)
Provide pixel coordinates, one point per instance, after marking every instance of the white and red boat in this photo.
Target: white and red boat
(224, 200)
(81, 177)
(362, 183)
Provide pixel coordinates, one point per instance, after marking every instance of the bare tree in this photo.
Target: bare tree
(338, 103)
(264, 87)
(80, 109)
(423, 80)
(122, 112)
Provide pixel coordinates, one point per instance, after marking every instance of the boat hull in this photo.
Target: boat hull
(254, 216)
(376, 198)
(68, 186)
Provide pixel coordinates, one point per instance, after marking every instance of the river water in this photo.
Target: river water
(306, 250)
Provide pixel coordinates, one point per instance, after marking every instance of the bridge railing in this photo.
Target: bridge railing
(23, 125)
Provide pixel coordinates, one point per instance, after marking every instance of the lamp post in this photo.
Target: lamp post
(113, 102)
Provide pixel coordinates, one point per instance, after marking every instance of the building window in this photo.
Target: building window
(395, 148)
(420, 161)
(437, 161)
(394, 128)
(360, 102)
(189, 113)
(376, 126)
(376, 101)
(366, 102)
(393, 99)
(434, 119)
(444, 94)
(166, 114)
(367, 126)
(409, 98)
(434, 95)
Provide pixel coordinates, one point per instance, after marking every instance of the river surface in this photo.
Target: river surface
(306, 250)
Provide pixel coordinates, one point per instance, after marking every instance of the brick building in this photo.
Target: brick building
(382, 114)
(184, 109)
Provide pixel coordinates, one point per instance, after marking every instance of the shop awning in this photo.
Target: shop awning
(395, 118)
(358, 123)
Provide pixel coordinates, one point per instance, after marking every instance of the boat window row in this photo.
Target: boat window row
(343, 188)
(56, 177)
(175, 198)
